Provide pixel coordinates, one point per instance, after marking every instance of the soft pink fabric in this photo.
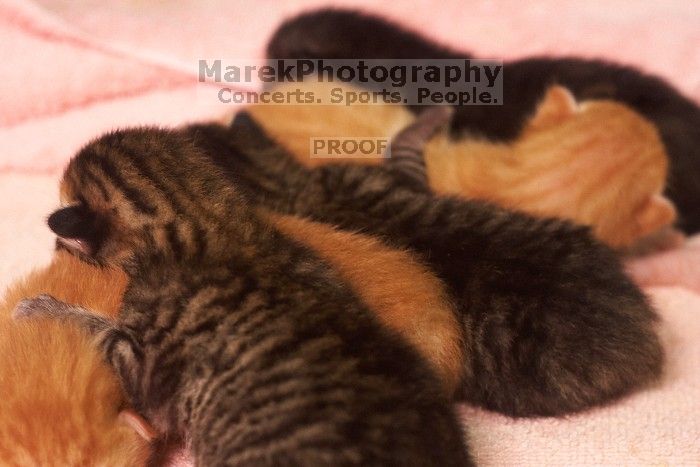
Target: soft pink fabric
(658, 426)
(678, 267)
(72, 70)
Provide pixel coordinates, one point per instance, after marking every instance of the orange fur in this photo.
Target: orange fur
(403, 293)
(294, 125)
(60, 403)
(598, 163)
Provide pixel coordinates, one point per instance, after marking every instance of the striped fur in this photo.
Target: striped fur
(233, 335)
(553, 323)
(408, 145)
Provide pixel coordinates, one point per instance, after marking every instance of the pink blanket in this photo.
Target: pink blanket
(72, 71)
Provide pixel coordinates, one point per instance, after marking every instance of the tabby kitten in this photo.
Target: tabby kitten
(230, 333)
(551, 323)
(342, 33)
(65, 377)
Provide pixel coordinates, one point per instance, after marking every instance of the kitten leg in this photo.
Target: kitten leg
(407, 147)
(47, 306)
(121, 350)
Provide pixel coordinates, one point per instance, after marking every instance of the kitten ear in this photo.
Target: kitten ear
(71, 221)
(75, 227)
(138, 424)
(658, 212)
(557, 105)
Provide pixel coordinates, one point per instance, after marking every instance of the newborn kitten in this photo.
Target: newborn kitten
(597, 163)
(60, 403)
(551, 324)
(341, 33)
(231, 334)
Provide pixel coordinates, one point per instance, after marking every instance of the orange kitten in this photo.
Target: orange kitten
(597, 163)
(60, 404)
(50, 370)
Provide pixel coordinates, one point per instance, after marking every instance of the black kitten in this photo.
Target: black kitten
(334, 34)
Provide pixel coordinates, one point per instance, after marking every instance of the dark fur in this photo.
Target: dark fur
(347, 34)
(551, 323)
(235, 336)
(406, 149)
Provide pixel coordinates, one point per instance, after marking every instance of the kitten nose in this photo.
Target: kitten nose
(70, 222)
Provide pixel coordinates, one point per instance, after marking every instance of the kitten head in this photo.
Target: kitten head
(61, 403)
(598, 163)
(138, 190)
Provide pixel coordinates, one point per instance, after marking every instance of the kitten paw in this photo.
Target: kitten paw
(41, 305)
